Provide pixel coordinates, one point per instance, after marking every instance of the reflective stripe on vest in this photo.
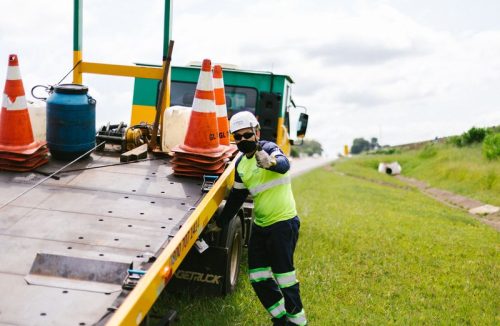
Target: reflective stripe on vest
(268, 185)
(239, 185)
(277, 310)
(260, 274)
(286, 279)
(298, 319)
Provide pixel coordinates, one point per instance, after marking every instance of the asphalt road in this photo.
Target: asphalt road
(305, 164)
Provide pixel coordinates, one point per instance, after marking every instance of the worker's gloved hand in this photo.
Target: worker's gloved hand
(264, 160)
(212, 227)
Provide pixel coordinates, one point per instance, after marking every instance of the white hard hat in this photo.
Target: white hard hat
(242, 120)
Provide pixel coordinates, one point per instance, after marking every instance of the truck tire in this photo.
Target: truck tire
(232, 239)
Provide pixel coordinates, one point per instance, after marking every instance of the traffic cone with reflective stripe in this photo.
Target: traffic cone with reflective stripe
(202, 133)
(16, 134)
(220, 106)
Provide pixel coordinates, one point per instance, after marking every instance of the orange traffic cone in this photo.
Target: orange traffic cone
(16, 135)
(202, 134)
(220, 106)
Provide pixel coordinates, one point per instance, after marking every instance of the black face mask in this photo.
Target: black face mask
(247, 146)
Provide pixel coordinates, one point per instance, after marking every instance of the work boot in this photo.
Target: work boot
(279, 321)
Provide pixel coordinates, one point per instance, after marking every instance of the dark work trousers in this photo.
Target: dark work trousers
(273, 246)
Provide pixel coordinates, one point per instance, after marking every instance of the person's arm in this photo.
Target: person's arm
(282, 164)
(234, 201)
(233, 204)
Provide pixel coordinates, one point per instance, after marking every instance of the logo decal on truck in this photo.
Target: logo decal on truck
(192, 233)
(197, 277)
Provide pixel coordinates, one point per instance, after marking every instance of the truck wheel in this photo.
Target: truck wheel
(232, 239)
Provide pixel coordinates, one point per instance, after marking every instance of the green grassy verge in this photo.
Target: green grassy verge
(461, 170)
(373, 254)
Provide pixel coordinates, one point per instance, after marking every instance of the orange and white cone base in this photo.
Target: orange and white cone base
(200, 158)
(26, 166)
(198, 164)
(15, 157)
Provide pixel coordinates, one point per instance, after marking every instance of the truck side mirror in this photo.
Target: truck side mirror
(302, 125)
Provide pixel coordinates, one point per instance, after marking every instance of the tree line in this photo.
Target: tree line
(307, 148)
(362, 145)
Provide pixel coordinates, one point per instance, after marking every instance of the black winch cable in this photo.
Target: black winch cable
(98, 166)
(50, 88)
(76, 65)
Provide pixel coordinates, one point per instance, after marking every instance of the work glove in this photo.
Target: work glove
(264, 160)
(212, 227)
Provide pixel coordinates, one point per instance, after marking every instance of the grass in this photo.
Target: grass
(461, 170)
(374, 254)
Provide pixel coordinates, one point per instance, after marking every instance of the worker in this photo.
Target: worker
(262, 171)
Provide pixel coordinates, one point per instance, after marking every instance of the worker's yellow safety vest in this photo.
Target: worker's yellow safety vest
(271, 192)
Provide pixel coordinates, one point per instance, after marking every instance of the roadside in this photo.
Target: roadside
(302, 165)
(485, 213)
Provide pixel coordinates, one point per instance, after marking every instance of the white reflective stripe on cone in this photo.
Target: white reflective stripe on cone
(13, 73)
(218, 83)
(205, 81)
(205, 106)
(221, 110)
(18, 104)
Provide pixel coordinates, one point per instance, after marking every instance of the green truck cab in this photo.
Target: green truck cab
(265, 94)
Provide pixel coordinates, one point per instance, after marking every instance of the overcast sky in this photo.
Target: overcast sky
(398, 70)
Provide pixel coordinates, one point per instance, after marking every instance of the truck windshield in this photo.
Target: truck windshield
(237, 98)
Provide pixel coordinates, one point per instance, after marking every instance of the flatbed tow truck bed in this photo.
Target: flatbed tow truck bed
(74, 238)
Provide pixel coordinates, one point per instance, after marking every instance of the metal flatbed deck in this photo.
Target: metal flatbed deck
(116, 214)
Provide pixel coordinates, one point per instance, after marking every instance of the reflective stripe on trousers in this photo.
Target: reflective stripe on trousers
(285, 280)
(277, 310)
(298, 319)
(260, 274)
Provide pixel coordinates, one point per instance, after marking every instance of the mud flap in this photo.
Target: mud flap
(201, 273)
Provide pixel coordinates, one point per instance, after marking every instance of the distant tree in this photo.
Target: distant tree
(360, 145)
(374, 143)
(491, 146)
(308, 147)
(473, 135)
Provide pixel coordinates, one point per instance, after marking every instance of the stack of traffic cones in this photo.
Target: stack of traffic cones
(202, 152)
(19, 151)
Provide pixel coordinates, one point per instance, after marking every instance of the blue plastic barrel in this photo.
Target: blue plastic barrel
(70, 121)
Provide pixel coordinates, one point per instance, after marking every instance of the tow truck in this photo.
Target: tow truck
(97, 242)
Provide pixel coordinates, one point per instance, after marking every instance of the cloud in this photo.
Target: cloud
(350, 52)
(360, 98)
(359, 66)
